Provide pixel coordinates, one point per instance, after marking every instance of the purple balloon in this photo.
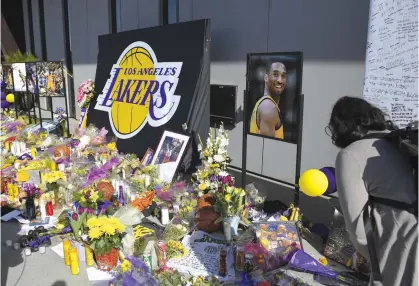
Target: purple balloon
(330, 174)
(3, 95)
(4, 104)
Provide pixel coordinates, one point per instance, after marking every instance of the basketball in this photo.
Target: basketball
(206, 201)
(206, 220)
(107, 189)
(127, 117)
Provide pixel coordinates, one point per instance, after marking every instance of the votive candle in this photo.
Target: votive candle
(89, 256)
(66, 248)
(74, 261)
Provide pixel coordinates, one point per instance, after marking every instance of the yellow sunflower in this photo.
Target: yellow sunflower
(95, 232)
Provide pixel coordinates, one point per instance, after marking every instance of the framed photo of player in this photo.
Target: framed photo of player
(273, 95)
(169, 154)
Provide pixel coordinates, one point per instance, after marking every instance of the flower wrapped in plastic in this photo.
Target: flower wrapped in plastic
(214, 159)
(168, 194)
(133, 271)
(88, 198)
(85, 93)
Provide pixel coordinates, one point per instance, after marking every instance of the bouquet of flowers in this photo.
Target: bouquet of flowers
(146, 179)
(85, 93)
(214, 160)
(175, 249)
(133, 271)
(87, 198)
(105, 233)
(187, 206)
(229, 199)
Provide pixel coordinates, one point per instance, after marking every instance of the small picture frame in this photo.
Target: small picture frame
(148, 157)
(169, 154)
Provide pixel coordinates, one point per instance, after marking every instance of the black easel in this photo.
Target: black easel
(50, 97)
(298, 153)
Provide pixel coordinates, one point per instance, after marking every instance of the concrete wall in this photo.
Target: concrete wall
(332, 36)
(138, 14)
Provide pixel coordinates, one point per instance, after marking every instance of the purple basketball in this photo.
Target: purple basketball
(4, 104)
(330, 174)
(3, 95)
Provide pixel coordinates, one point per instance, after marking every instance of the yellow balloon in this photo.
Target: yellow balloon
(313, 183)
(10, 98)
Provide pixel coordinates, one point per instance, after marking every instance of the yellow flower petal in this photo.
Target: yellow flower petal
(95, 232)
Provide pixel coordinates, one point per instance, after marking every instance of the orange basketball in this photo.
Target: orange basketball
(107, 189)
(62, 151)
(206, 201)
(206, 220)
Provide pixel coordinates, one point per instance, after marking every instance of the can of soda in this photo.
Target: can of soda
(161, 252)
(248, 260)
(147, 260)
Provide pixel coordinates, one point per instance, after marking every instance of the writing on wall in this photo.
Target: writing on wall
(391, 68)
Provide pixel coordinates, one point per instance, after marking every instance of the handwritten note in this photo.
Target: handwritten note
(391, 68)
(203, 256)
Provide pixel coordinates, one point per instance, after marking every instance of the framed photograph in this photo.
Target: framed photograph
(7, 76)
(273, 95)
(50, 78)
(19, 76)
(31, 76)
(277, 234)
(148, 157)
(169, 154)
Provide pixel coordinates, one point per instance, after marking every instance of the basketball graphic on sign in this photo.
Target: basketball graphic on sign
(140, 90)
(128, 117)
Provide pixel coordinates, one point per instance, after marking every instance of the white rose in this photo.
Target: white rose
(210, 160)
(218, 158)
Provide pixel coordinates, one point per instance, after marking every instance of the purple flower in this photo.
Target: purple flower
(75, 216)
(89, 211)
(81, 210)
(226, 179)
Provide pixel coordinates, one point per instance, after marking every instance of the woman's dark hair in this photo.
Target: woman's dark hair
(352, 118)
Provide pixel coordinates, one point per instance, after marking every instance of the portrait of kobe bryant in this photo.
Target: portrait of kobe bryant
(266, 116)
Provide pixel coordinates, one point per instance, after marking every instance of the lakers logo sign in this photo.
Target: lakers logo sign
(140, 90)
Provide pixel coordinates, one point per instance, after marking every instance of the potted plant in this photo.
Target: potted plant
(105, 238)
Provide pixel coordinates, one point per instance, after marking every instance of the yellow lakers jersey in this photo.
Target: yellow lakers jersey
(254, 128)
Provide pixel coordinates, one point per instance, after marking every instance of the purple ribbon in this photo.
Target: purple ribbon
(100, 173)
(65, 161)
(103, 207)
(25, 156)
